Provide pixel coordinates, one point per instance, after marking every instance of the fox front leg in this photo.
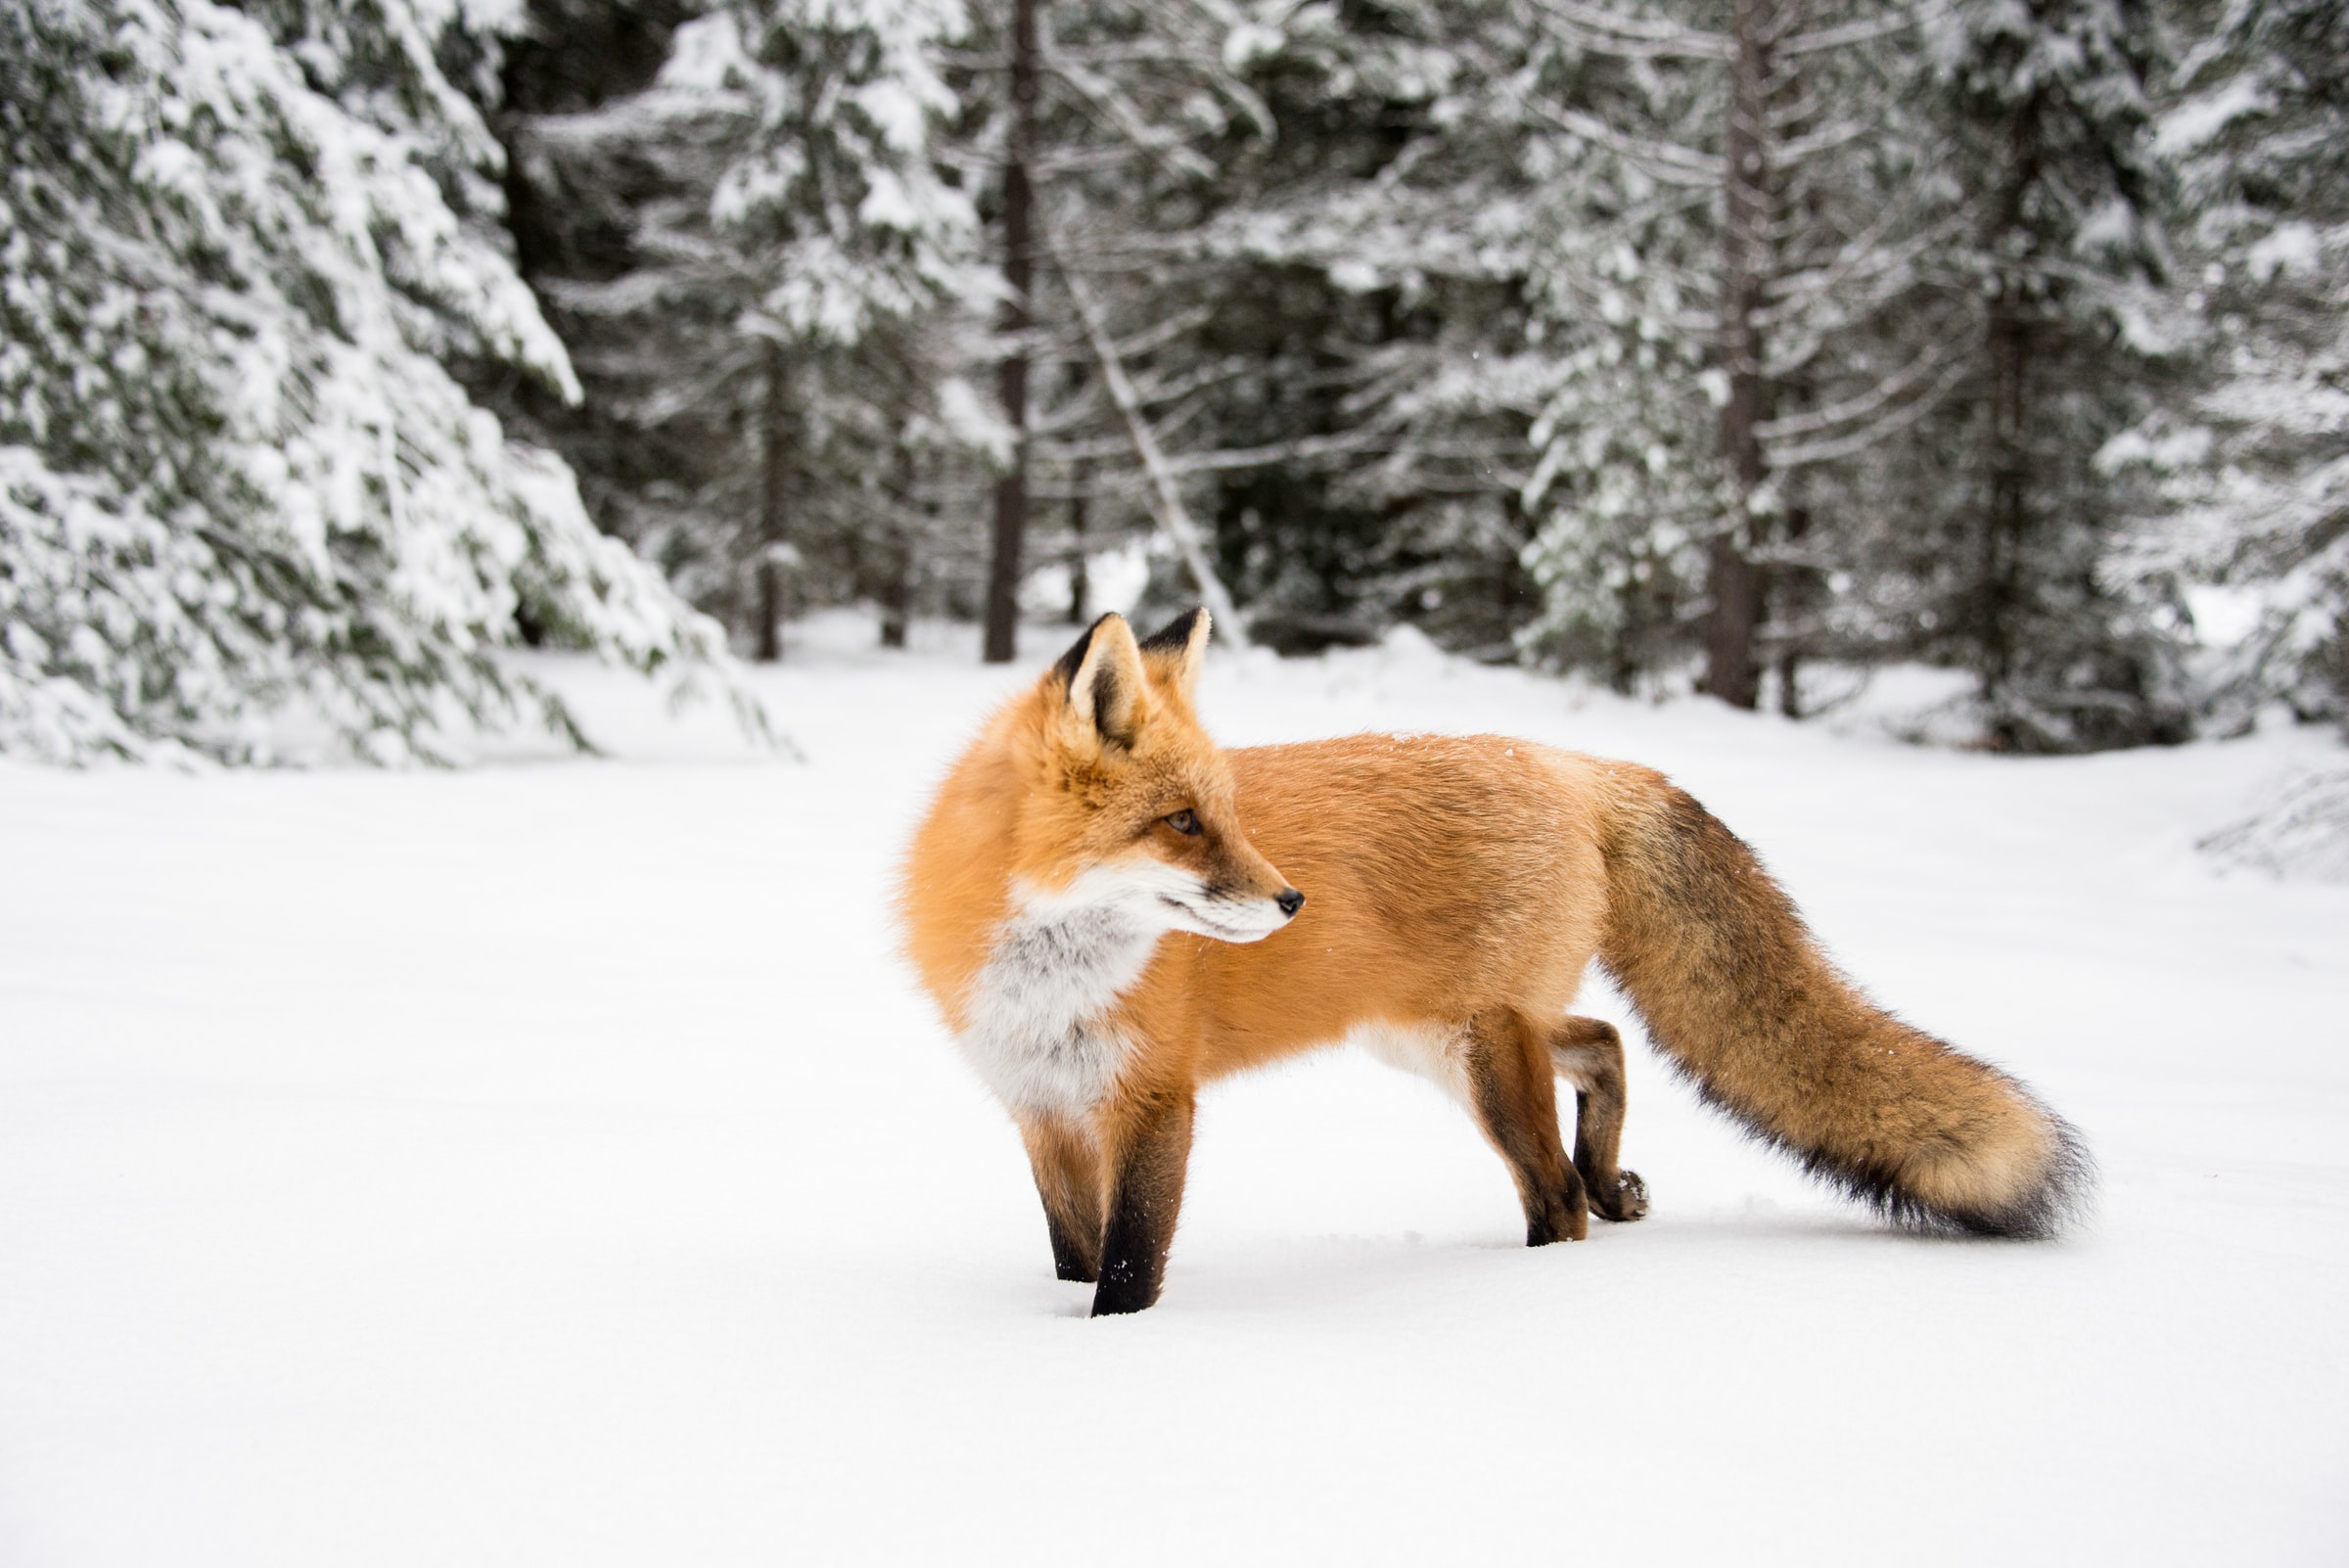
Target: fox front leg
(1149, 1137)
(1067, 1160)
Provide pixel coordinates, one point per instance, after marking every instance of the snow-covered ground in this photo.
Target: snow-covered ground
(551, 1163)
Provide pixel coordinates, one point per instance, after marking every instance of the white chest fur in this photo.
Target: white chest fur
(1039, 1033)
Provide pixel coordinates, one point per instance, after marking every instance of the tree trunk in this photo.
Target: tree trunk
(1790, 601)
(1080, 583)
(2006, 507)
(896, 566)
(771, 515)
(1019, 274)
(2006, 513)
(1732, 671)
(896, 596)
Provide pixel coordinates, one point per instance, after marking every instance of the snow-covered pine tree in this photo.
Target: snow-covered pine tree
(1368, 265)
(1101, 134)
(2251, 457)
(1447, 246)
(2010, 535)
(1312, 386)
(586, 155)
(242, 245)
(1738, 223)
(1625, 111)
(775, 337)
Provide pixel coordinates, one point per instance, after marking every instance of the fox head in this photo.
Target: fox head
(1128, 804)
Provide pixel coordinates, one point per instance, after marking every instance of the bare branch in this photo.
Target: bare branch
(1167, 331)
(1306, 448)
(1105, 102)
(1783, 458)
(1795, 149)
(1850, 32)
(1666, 161)
(1636, 37)
(1808, 104)
(1813, 421)
(1861, 257)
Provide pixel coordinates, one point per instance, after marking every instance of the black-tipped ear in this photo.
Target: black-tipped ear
(1074, 660)
(1105, 688)
(1175, 635)
(1179, 647)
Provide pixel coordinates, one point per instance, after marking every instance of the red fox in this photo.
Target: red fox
(1092, 901)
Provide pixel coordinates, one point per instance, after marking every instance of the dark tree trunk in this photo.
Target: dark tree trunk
(896, 600)
(1998, 595)
(1080, 583)
(1732, 671)
(1019, 271)
(1791, 604)
(897, 565)
(2006, 511)
(771, 515)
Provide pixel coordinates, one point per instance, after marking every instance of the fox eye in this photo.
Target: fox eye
(1184, 822)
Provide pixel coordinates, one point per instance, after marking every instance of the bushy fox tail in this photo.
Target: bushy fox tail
(1734, 990)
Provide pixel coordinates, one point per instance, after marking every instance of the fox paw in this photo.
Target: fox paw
(1628, 1200)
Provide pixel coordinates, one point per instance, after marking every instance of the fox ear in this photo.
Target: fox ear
(1104, 673)
(1178, 648)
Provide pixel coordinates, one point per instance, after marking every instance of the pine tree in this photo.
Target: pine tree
(1105, 140)
(1369, 288)
(242, 250)
(2250, 456)
(790, 263)
(1739, 298)
(1306, 410)
(2015, 583)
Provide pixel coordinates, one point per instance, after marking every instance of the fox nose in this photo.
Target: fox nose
(1290, 902)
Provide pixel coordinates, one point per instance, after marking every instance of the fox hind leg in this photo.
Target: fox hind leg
(1067, 1160)
(1588, 1053)
(1512, 1089)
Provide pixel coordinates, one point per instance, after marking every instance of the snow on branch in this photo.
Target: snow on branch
(1306, 448)
(1840, 37)
(1604, 31)
(1826, 139)
(1862, 260)
(1783, 458)
(1814, 421)
(1668, 162)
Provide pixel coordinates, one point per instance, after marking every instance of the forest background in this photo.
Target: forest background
(1733, 345)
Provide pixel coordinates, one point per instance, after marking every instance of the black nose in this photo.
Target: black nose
(1290, 902)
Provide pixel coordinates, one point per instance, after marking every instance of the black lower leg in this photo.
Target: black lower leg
(1146, 1197)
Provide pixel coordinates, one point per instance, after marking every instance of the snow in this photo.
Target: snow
(550, 1163)
(2293, 249)
(2191, 125)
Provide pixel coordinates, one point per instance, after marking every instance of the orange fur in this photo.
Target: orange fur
(1459, 888)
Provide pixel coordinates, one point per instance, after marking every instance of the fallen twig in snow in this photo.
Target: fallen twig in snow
(2300, 830)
